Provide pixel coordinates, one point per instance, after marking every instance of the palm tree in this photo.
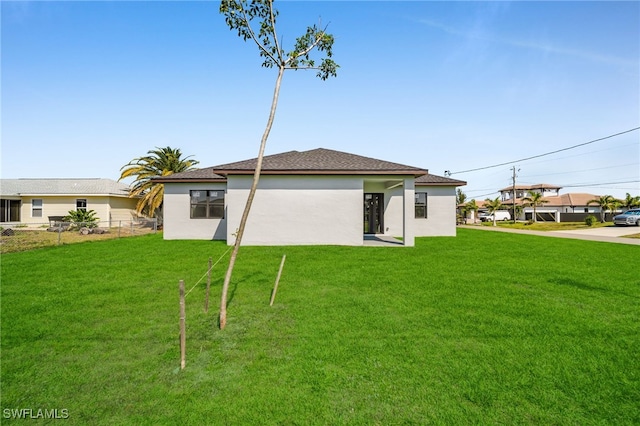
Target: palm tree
(493, 206)
(159, 162)
(630, 202)
(534, 199)
(472, 206)
(606, 202)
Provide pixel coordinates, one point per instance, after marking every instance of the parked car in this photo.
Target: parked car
(630, 217)
(500, 215)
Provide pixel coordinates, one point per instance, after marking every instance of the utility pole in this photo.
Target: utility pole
(513, 198)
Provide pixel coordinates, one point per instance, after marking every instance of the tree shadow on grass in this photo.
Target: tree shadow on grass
(232, 291)
(582, 286)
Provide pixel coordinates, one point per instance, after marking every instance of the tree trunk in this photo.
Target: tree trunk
(247, 207)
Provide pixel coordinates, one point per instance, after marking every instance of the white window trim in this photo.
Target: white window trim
(35, 207)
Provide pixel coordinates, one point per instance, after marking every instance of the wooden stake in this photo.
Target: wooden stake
(206, 299)
(183, 336)
(275, 287)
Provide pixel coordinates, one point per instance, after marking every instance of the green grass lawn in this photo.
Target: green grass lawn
(484, 328)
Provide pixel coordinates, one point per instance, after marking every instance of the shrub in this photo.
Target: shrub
(82, 218)
(590, 220)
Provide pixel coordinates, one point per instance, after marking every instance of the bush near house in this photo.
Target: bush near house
(590, 220)
(82, 218)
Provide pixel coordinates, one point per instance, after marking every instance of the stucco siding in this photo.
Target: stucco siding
(409, 233)
(177, 214)
(310, 209)
(441, 212)
(295, 210)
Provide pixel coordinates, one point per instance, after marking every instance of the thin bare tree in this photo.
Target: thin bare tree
(239, 14)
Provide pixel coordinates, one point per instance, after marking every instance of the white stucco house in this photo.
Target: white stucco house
(319, 196)
(33, 201)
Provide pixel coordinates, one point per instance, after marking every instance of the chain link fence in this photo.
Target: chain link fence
(21, 237)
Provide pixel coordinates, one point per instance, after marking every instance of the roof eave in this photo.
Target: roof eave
(324, 172)
(459, 183)
(183, 180)
(69, 194)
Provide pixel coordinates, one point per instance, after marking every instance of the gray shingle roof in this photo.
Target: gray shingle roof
(315, 161)
(319, 160)
(199, 175)
(17, 187)
(438, 180)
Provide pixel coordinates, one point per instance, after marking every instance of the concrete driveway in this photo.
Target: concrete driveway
(609, 234)
(608, 231)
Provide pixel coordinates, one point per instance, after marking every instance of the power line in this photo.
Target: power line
(447, 173)
(616, 166)
(600, 184)
(617, 147)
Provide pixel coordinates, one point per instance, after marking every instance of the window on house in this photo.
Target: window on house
(421, 205)
(81, 204)
(36, 207)
(207, 204)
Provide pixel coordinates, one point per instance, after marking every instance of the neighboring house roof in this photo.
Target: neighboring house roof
(571, 199)
(566, 200)
(315, 161)
(480, 204)
(540, 186)
(42, 187)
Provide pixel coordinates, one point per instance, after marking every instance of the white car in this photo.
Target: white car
(500, 215)
(630, 217)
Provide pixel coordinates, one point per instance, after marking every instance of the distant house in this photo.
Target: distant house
(33, 201)
(557, 207)
(522, 191)
(319, 196)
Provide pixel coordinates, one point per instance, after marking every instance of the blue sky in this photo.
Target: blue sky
(87, 86)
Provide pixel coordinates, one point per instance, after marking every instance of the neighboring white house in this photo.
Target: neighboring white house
(319, 196)
(522, 191)
(555, 205)
(33, 201)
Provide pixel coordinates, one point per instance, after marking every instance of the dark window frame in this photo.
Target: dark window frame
(421, 207)
(211, 205)
(10, 210)
(79, 204)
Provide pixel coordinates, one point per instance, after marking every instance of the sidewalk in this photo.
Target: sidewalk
(597, 234)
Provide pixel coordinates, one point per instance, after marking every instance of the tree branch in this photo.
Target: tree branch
(275, 36)
(255, 39)
(309, 49)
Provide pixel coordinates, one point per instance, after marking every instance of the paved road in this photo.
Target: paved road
(608, 231)
(609, 234)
